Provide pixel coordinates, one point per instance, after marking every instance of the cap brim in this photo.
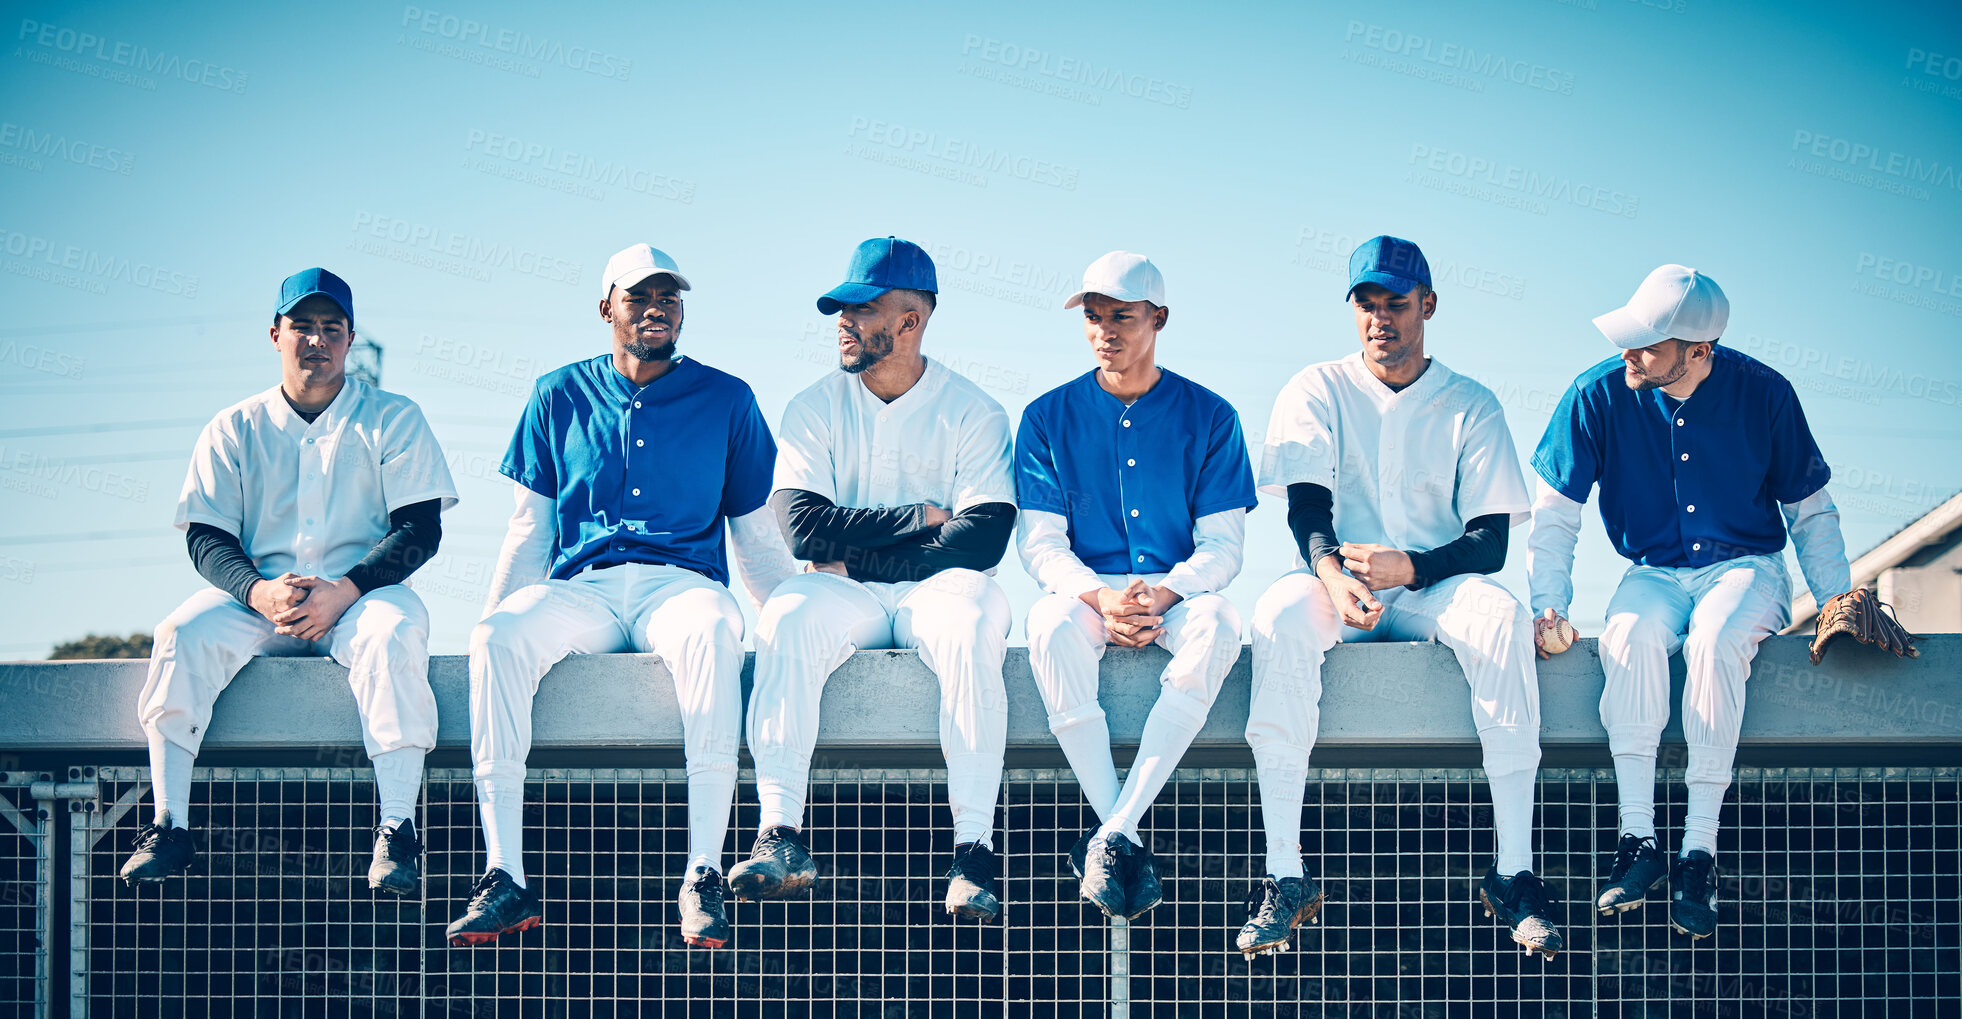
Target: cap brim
(639, 276)
(1388, 281)
(295, 302)
(845, 294)
(1121, 296)
(1623, 330)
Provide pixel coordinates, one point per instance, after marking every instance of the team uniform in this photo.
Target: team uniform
(311, 498)
(617, 545)
(1156, 489)
(943, 442)
(1408, 469)
(1698, 495)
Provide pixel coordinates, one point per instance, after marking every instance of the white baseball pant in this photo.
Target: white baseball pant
(1067, 641)
(1490, 632)
(382, 640)
(1715, 615)
(957, 619)
(691, 622)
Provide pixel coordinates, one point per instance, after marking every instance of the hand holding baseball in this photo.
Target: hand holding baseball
(1553, 634)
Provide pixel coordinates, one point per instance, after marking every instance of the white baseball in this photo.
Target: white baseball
(1556, 635)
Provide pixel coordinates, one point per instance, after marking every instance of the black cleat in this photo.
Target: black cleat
(1142, 880)
(704, 923)
(779, 866)
(162, 851)
(971, 883)
(1275, 907)
(1521, 903)
(1638, 866)
(1106, 873)
(497, 906)
(394, 867)
(1078, 851)
(1693, 894)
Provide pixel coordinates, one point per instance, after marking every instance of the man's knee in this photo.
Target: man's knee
(1720, 644)
(1627, 635)
(1213, 615)
(1296, 607)
(1053, 618)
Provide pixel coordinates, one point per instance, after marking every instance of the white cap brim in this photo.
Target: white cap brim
(635, 277)
(1123, 296)
(1624, 330)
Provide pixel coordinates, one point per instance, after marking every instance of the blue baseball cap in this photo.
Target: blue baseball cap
(308, 282)
(1389, 262)
(879, 265)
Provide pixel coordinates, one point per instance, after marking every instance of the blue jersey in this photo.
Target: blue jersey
(1686, 483)
(1132, 480)
(642, 474)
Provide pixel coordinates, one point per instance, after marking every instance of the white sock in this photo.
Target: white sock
(974, 831)
(1085, 738)
(1635, 788)
(711, 792)
(1700, 820)
(1512, 820)
(398, 778)
(501, 801)
(1281, 786)
(170, 780)
(1168, 731)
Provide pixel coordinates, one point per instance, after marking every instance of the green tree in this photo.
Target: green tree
(136, 645)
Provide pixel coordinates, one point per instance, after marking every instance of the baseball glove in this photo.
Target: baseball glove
(1867, 619)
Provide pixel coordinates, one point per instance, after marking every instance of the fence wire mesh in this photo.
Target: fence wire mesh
(24, 890)
(1840, 897)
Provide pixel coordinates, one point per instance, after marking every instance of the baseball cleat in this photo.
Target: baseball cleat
(779, 866)
(1105, 868)
(1521, 903)
(1275, 907)
(394, 867)
(1079, 850)
(704, 922)
(497, 906)
(1693, 894)
(162, 850)
(1145, 890)
(971, 883)
(1638, 866)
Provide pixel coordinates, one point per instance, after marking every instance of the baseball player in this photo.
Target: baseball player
(893, 480)
(306, 508)
(1402, 484)
(626, 469)
(1699, 452)
(1134, 488)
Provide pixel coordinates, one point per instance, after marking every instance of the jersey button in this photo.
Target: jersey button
(1679, 422)
(640, 442)
(1686, 456)
(636, 404)
(636, 491)
(1692, 509)
(1133, 513)
(1697, 547)
(1130, 463)
(1127, 422)
(1141, 558)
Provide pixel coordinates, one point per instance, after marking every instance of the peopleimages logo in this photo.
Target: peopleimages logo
(1474, 62)
(163, 63)
(957, 152)
(1861, 156)
(1077, 72)
(470, 32)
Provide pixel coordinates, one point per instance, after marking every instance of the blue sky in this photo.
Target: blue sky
(468, 168)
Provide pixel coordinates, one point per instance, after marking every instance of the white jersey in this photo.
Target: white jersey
(944, 442)
(313, 499)
(1408, 469)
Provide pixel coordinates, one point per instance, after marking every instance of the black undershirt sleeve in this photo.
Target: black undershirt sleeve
(414, 532)
(1311, 518)
(823, 532)
(973, 539)
(221, 560)
(1481, 549)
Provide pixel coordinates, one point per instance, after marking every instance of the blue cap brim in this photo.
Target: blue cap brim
(1388, 281)
(846, 294)
(290, 305)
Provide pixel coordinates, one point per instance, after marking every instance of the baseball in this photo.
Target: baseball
(1556, 634)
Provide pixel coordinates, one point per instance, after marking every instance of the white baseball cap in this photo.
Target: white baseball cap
(628, 267)
(1675, 302)
(1122, 276)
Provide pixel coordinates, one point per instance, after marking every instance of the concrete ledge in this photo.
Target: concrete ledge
(1382, 703)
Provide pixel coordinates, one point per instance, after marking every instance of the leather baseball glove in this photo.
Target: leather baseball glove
(1866, 619)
